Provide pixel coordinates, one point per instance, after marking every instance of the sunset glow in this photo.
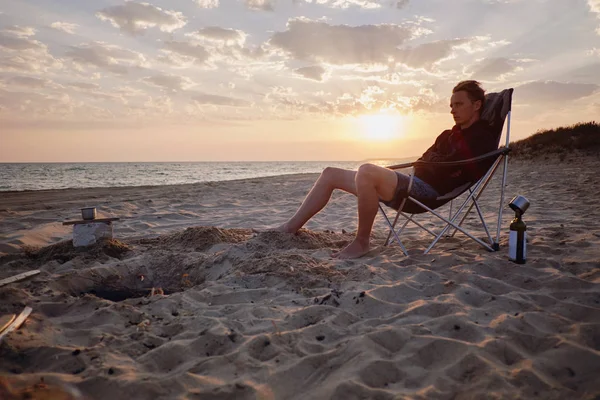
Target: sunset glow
(381, 126)
(217, 80)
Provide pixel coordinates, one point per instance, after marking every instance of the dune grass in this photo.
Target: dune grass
(582, 138)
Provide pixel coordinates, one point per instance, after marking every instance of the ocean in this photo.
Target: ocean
(42, 176)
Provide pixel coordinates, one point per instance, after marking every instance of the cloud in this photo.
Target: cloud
(28, 81)
(35, 104)
(340, 44)
(64, 27)
(128, 91)
(284, 101)
(425, 55)
(493, 68)
(479, 44)
(502, 1)
(207, 3)
(134, 18)
(23, 54)
(584, 74)
(105, 56)
(83, 85)
(595, 8)
(188, 52)
(356, 97)
(19, 43)
(260, 5)
(217, 100)
(367, 4)
(99, 96)
(226, 45)
(315, 72)
(31, 62)
(171, 83)
(229, 36)
(553, 92)
(157, 105)
(209, 47)
(20, 30)
(96, 94)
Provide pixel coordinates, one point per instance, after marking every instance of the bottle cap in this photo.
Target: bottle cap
(519, 203)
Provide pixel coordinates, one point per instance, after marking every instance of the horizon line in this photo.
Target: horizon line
(190, 162)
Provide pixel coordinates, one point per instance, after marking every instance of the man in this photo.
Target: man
(470, 137)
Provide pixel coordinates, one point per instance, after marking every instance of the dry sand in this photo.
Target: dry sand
(238, 315)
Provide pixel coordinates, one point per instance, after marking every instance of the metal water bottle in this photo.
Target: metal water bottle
(517, 241)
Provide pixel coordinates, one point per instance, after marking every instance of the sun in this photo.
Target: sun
(381, 126)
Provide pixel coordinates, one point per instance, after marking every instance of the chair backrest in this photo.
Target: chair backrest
(496, 108)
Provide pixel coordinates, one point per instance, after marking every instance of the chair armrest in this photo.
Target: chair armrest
(495, 153)
(400, 166)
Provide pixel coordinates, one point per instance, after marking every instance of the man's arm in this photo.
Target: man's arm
(473, 145)
(433, 153)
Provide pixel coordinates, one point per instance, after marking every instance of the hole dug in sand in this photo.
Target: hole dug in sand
(154, 274)
(123, 285)
(117, 295)
(175, 262)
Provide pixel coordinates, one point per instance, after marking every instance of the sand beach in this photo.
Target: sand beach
(187, 302)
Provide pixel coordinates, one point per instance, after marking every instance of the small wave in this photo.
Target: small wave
(59, 176)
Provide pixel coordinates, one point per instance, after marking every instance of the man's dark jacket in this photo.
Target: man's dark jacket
(454, 145)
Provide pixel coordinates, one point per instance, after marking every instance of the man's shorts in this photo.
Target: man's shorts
(420, 190)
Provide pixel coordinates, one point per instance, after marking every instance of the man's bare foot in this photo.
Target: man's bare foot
(355, 249)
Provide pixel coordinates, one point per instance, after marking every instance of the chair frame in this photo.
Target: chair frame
(474, 192)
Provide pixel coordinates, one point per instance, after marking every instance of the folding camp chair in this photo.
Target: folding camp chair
(497, 108)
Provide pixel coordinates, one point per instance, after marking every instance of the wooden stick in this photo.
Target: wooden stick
(6, 320)
(19, 277)
(90, 221)
(16, 323)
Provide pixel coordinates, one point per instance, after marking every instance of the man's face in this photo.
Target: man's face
(464, 111)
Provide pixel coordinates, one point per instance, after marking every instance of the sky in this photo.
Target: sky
(280, 80)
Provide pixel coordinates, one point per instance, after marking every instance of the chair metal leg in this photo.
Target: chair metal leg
(392, 226)
(486, 179)
(450, 213)
(399, 231)
(393, 231)
(387, 240)
(501, 207)
(451, 223)
(487, 232)
(411, 219)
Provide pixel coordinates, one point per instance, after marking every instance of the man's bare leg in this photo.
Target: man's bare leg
(372, 184)
(330, 179)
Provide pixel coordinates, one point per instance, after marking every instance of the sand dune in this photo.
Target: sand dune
(242, 315)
